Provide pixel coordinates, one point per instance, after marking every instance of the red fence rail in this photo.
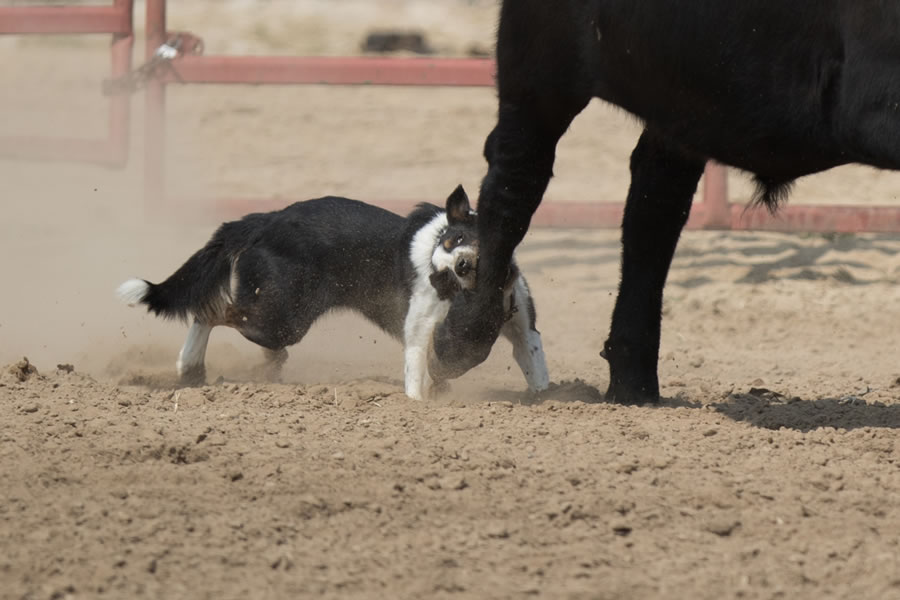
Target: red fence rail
(115, 19)
(67, 19)
(257, 70)
(713, 212)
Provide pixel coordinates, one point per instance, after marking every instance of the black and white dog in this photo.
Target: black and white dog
(271, 275)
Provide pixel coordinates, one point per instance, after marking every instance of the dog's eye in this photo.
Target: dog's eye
(459, 239)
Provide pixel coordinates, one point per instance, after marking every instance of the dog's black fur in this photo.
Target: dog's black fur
(780, 89)
(295, 265)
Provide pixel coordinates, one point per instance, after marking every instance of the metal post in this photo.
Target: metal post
(155, 113)
(715, 197)
(120, 104)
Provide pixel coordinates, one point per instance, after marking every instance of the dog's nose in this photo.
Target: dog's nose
(463, 267)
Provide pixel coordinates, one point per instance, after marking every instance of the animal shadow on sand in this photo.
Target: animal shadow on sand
(577, 390)
(760, 407)
(770, 410)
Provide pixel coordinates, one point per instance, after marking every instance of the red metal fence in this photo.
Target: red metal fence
(115, 19)
(180, 55)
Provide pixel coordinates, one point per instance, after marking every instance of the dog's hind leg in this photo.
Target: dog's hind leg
(190, 365)
(275, 359)
(526, 340)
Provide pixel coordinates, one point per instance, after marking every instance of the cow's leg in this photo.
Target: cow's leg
(663, 182)
(543, 82)
(520, 150)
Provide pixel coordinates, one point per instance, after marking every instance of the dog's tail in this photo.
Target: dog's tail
(200, 288)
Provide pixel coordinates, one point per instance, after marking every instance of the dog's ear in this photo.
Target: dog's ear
(458, 209)
(445, 284)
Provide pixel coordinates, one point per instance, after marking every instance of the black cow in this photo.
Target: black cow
(780, 89)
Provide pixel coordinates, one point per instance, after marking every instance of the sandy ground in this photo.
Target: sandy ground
(768, 471)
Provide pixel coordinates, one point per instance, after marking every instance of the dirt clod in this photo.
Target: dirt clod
(22, 370)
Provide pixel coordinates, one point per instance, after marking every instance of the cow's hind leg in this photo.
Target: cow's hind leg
(663, 182)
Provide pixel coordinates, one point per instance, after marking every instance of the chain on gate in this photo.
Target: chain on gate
(157, 66)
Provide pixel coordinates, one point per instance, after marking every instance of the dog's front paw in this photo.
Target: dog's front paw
(414, 392)
(194, 376)
(427, 389)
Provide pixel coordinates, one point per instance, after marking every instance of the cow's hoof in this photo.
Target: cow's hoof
(620, 393)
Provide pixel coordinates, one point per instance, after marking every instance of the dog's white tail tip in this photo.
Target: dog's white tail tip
(133, 291)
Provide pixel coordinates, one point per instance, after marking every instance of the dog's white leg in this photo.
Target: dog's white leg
(415, 366)
(423, 316)
(527, 347)
(190, 365)
(416, 377)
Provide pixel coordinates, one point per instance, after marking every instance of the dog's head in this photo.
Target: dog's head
(455, 256)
